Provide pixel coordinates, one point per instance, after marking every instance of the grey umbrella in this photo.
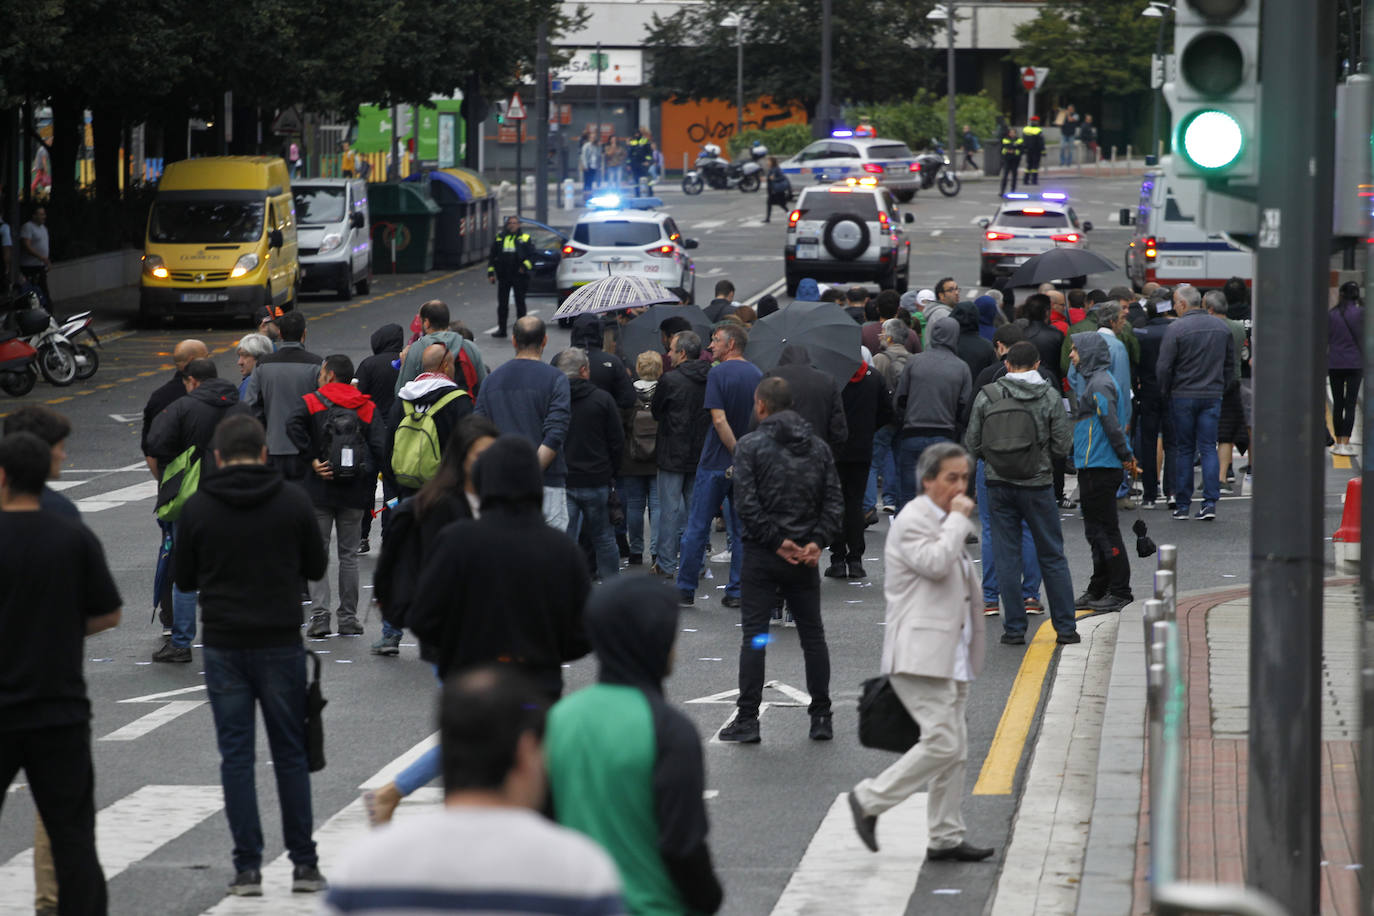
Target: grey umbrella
(1060, 264)
(612, 294)
(642, 333)
(830, 336)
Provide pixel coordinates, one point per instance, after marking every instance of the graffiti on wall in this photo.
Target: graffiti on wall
(686, 126)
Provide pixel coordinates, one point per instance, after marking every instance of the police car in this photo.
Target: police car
(852, 154)
(847, 232)
(1027, 224)
(1170, 248)
(630, 237)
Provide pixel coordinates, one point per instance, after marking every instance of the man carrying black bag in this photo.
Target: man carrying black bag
(932, 650)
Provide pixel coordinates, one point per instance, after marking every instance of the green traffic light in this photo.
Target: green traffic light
(1212, 140)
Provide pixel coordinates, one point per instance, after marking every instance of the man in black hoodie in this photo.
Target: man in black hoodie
(189, 423)
(724, 302)
(790, 507)
(679, 407)
(607, 371)
(593, 450)
(814, 394)
(246, 517)
(867, 408)
(973, 348)
(376, 378)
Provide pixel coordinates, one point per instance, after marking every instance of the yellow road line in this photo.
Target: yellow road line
(1009, 743)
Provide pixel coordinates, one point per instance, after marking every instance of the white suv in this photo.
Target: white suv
(1027, 224)
(630, 239)
(847, 232)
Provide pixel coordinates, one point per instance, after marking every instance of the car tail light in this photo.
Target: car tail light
(992, 236)
(914, 167)
(873, 167)
(1035, 210)
(792, 218)
(1066, 237)
(1150, 249)
(571, 252)
(661, 251)
(882, 220)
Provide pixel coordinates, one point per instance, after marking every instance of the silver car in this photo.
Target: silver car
(890, 162)
(1027, 224)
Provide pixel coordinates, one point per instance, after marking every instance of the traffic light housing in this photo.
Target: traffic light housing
(1214, 94)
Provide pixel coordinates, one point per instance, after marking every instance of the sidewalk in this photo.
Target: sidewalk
(1081, 839)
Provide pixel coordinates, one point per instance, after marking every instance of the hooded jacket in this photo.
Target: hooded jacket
(814, 393)
(275, 389)
(596, 436)
(412, 364)
(607, 370)
(424, 393)
(162, 397)
(935, 391)
(1055, 430)
(988, 316)
(1099, 437)
(1151, 337)
(306, 428)
(1197, 358)
(808, 290)
(717, 309)
(376, 376)
(625, 767)
(932, 313)
(1049, 340)
(245, 540)
(530, 615)
(682, 419)
(786, 485)
(191, 421)
(973, 348)
(867, 408)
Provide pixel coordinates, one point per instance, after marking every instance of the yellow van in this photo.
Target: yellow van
(221, 240)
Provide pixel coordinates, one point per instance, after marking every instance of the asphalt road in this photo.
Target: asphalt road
(167, 837)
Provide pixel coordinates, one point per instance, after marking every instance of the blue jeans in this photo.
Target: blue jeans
(589, 506)
(885, 466)
(183, 610)
(711, 489)
(1036, 508)
(1195, 433)
(274, 679)
(908, 453)
(674, 496)
(426, 767)
(640, 492)
(1030, 567)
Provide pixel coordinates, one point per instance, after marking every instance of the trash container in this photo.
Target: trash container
(483, 219)
(992, 158)
(456, 208)
(403, 217)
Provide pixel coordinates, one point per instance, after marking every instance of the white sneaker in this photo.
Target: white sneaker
(722, 557)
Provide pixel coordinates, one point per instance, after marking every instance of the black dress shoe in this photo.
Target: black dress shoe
(822, 728)
(1013, 639)
(856, 570)
(742, 731)
(730, 601)
(836, 570)
(1068, 639)
(865, 825)
(961, 853)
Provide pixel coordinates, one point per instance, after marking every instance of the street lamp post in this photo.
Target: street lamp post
(823, 123)
(736, 21)
(946, 12)
(1160, 11)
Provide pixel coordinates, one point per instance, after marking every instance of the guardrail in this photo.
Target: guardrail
(1167, 699)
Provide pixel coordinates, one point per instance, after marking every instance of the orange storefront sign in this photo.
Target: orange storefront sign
(686, 126)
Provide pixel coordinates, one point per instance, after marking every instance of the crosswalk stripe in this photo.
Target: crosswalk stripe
(708, 223)
(155, 719)
(131, 829)
(145, 490)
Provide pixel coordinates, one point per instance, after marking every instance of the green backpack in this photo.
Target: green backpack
(180, 479)
(416, 449)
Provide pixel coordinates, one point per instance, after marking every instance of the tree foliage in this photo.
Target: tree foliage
(881, 51)
(923, 118)
(1102, 47)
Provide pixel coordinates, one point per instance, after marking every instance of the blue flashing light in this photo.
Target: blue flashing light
(605, 202)
(759, 641)
(1015, 195)
(842, 132)
(1054, 195)
(616, 202)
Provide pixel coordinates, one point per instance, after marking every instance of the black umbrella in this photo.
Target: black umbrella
(830, 336)
(1060, 264)
(642, 333)
(314, 723)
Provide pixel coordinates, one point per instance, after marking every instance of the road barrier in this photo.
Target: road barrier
(1346, 540)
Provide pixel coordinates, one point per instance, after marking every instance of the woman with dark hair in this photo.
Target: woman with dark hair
(1345, 363)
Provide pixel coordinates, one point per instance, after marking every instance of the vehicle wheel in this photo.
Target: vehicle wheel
(345, 290)
(985, 278)
(92, 357)
(846, 236)
(692, 185)
(692, 292)
(293, 299)
(903, 281)
(749, 183)
(792, 283)
(904, 197)
(949, 184)
(18, 384)
(57, 362)
(364, 286)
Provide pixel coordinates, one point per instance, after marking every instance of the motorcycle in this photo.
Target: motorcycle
(721, 174)
(935, 169)
(58, 361)
(17, 364)
(88, 360)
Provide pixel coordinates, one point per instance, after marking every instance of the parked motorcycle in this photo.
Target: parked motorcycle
(57, 357)
(87, 359)
(18, 361)
(720, 174)
(934, 169)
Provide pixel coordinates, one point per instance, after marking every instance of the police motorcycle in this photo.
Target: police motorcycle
(934, 168)
(58, 360)
(711, 169)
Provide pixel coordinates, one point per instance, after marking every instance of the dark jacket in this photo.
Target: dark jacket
(245, 540)
(607, 370)
(511, 254)
(867, 408)
(717, 309)
(596, 438)
(1151, 337)
(682, 420)
(424, 393)
(376, 376)
(1046, 403)
(814, 394)
(171, 390)
(1049, 340)
(1197, 358)
(191, 421)
(275, 390)
(786, 485)
(973, 348)
(1104, 410)
(306, 428)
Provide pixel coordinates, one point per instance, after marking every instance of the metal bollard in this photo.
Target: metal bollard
(566, 198)
(1154, 612)
(1166, 591)
(1168, 556)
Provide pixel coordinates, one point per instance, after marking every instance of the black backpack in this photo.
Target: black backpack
(345, 443)
(643, 432)
(1011, 436)
(402, 561)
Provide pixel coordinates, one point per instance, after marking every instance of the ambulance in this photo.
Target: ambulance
(1169, 248)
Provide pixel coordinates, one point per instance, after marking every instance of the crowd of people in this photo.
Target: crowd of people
(607, 160)
(513, 501)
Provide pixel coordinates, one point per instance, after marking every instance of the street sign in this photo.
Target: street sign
(1040, 74)
(555, 86)
(1028, 78)
(515, 109)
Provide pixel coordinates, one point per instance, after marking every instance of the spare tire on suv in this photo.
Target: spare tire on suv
(845, 236)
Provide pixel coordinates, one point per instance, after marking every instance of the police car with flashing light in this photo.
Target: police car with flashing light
(630, 237)
(857, 154)
(849, 231)
(1027, 224)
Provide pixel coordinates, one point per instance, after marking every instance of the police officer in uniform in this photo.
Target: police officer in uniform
(1011, 158)
(1033, 139)
(640, 153)
(512, 259)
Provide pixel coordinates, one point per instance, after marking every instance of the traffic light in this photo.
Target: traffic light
(499, 112)
(1214, 95)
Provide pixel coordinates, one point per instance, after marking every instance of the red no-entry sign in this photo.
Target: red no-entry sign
(1028, 78)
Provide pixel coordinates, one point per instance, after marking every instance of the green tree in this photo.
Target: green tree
(1093, 49)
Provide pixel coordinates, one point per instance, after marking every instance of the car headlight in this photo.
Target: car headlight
(330, 242)
(244, 264)
(154, 266)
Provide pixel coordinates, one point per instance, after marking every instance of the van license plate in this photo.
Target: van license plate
(204, 297)
(807, 251)
(1181, 263)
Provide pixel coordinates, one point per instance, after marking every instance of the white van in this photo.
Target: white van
(334, 235)
(1169, 248)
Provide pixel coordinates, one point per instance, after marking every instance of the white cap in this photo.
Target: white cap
(926, 295)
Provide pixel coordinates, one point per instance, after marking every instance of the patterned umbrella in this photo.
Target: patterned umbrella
(830, 336)
(613, 294)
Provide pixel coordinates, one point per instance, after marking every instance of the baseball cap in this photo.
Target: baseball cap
(925, 295)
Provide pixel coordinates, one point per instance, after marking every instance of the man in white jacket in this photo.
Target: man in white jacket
(932, 650)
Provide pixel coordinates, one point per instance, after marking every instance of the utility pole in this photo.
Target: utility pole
(949, 63)
(1284, 805)
(739, 74)
(823, 126)
(541, 112)
(596, 138)
(1366, 666)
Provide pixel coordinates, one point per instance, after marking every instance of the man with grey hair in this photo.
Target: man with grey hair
(592, 449)
(251, 348)
(1232, 430)
(932, 651)
(1196, 364)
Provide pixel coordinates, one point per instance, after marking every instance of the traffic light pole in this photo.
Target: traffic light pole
(541, 114)
(1284, 806)
(1366, 667)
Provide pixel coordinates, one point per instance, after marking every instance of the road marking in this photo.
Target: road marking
(126, 417)
(155, 719)
(838, 874)
(795, 698)
(65, 484)
(936, 233)
(131, 829)
(388, 773)
(772, 290)
(139, 491)
(166, 694)
(708, 223)
(496, 327)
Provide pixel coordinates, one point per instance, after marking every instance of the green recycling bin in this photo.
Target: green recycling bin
(403, 217)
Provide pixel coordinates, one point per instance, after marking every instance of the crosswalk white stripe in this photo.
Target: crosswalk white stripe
(145, 490)
(155, 719)
(838, 874)
(708, 223)
(131, 829)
